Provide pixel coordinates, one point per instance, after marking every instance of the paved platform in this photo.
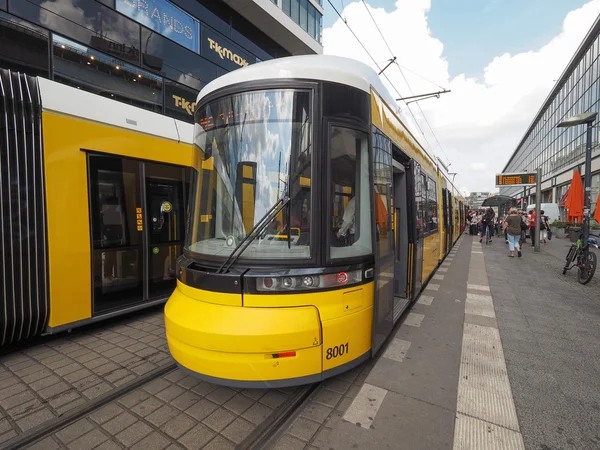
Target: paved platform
(498, 353)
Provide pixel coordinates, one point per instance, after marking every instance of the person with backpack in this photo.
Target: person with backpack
(544, 226)
(487, 221)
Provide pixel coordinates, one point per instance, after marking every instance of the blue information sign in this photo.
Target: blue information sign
(164, 18)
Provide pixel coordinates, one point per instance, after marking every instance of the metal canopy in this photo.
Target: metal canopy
(499, 200)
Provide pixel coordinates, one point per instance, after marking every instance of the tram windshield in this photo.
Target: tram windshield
(256, 149)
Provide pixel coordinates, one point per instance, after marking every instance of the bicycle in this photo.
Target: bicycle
(580, 255)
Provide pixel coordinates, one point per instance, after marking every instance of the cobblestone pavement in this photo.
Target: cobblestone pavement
(175, 411)
(48, 379)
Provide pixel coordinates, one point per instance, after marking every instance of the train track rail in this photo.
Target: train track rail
(52, 426)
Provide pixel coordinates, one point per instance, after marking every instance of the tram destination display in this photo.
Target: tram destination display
(516, 179)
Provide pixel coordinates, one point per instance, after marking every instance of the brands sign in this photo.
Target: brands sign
(223, 52)
(164, 18)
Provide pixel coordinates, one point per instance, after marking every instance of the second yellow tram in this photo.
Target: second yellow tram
(316, 218)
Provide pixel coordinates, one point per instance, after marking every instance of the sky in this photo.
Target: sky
(499, 58)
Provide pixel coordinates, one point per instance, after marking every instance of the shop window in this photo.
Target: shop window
(175, 62)
(312, 18)
(350, 194)
(90, 23)
(287, 7)
(295, 11)
(23, 47)
(93, 71)
(180, 101)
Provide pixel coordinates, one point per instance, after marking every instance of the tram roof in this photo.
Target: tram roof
(336, 69)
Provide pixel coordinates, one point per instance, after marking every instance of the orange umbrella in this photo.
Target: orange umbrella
(597, 212)
(574, 201)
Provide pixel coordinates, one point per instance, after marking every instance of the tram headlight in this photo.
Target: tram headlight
(309, 282)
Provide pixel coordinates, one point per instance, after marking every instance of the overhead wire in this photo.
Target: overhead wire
(407, 84)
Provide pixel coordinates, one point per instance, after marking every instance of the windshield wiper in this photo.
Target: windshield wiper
(253, 233)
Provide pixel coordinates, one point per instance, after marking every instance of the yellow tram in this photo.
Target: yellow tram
(316, 218)
(93, 196)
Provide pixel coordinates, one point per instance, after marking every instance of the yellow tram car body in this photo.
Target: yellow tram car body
(56, 134)
(228, 325)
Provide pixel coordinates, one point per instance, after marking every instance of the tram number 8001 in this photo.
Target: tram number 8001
(334, 352)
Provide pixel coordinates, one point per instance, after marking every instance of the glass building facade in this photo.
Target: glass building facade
(154, 54)
(560, 151)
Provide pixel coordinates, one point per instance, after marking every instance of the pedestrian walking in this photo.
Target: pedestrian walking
(512, 225)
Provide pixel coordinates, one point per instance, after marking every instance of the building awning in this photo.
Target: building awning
(498, 200)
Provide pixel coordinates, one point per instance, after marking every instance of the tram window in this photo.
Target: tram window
(350, 193)
(382, 179)
(432, 211)
(420, 199)
(257, 149)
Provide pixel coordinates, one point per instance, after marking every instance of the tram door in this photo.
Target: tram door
(416, 185)
(401, 237)
(137, 219)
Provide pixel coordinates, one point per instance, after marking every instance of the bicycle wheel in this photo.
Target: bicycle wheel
(587, 268)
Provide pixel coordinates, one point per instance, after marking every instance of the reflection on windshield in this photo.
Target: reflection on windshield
(256, 149)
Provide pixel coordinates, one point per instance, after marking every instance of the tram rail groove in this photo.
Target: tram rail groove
(53, 425)
(262, 436)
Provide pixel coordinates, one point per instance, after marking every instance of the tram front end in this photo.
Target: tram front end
(275, 286)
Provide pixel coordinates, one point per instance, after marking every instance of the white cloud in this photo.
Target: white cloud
(479, 123)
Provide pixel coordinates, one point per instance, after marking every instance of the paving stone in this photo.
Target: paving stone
(63, 399)
(170, 393)
(124, 380)
(45, 444)
(69, 406)
(185, 400)
(109, 445)
(219, 419)
(110, 354)
(337, 385)
(74, 431)
(97, 390)
(175, 376)
(77, 375)
(179, 425)
(132, 399)
(69, 368)
(44, 383)
(188, 382)
(133, 434)
(118, 375)
(254, 394)
(238, 404)
(157, 385)
(201, 409)
(321, 437)
(11, 381)
(257, 413)
(162, 415)
(220, 395)
(196, 438)
(147, 406)
(56, 361)
(288, 442)
(35, 419)
(6, 436)
(344, 404)
(13, 390)
(87, 382)
(119, 423)
(88, 441)
(155, 441)
(106, 413)
(23, 365)
(15, 400)
(96, 362)
(273, 399)
(238, 430)
(328, 398)
(5, 426)
(106, 369)
(303, 429)
(203, 388)
(317, 412)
